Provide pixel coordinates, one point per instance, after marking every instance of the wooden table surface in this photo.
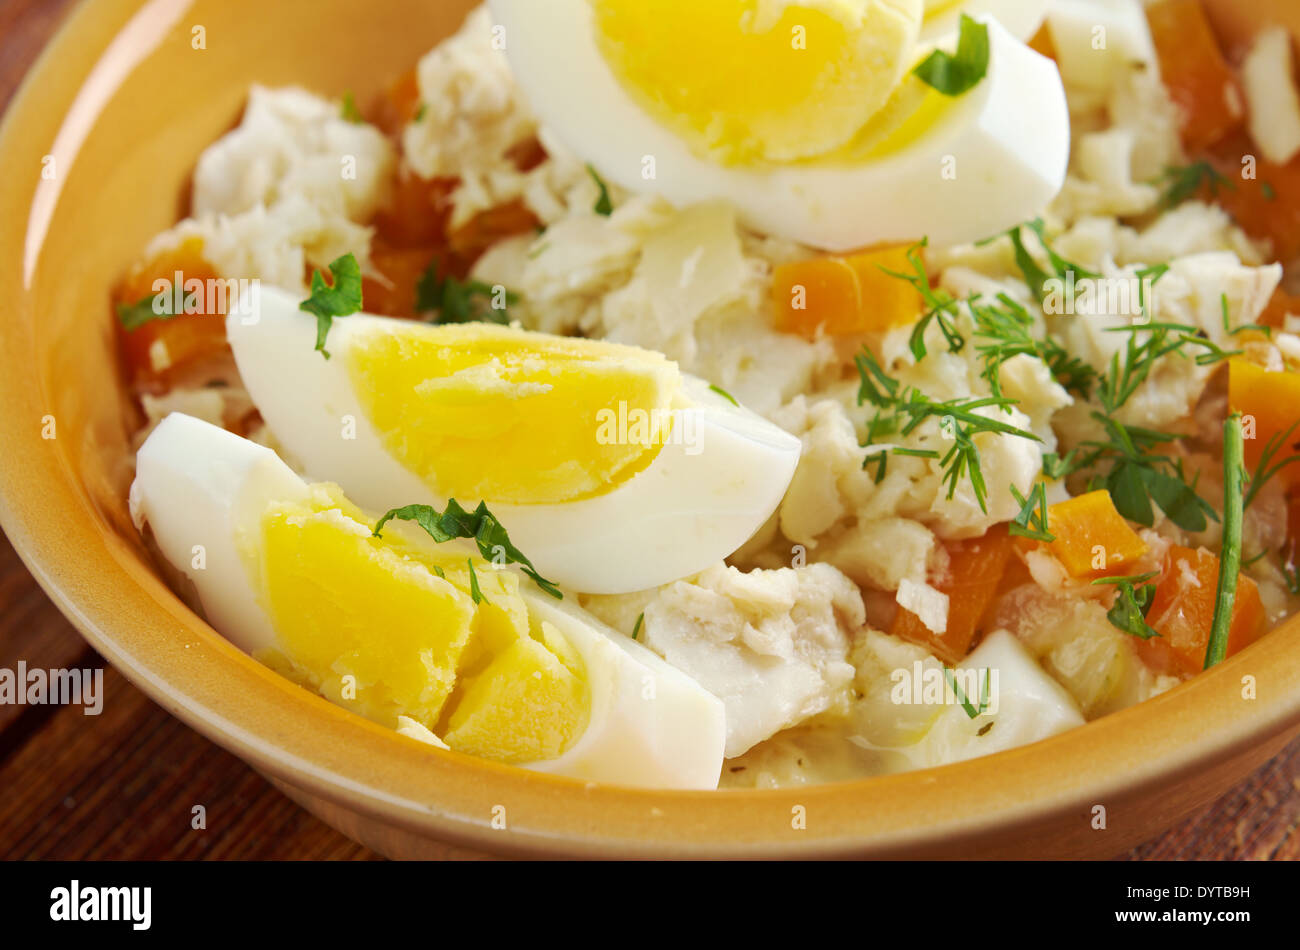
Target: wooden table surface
(123, 784)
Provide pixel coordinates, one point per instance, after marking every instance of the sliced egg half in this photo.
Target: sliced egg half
(953, 169)
(425, 638)
(611, 470)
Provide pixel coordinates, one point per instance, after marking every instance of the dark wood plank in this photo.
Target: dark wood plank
(1259, 820)
(125, 785)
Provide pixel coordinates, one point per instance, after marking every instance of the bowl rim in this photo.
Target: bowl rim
(148, 634)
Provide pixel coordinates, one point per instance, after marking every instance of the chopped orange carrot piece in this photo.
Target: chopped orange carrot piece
(1182, 612)
(417, 213)
(1270, 405)
(393, 294)
(527, 155)
(845, 295)
(158, 349)
(1291, 552)
(1042, 44)
(487, 228)
(1092, 538)
(399, 104)
(1263, 198)
(1279, 307)
(975, 572)
(1195, 72)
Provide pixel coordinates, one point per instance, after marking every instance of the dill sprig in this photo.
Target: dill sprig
(1266, 468)
(902, 410)
(1004, 329)
(1176, 336)
(941, 307)
(1032, 520)
(1183, 182)
(972, 711)
(1035, 276)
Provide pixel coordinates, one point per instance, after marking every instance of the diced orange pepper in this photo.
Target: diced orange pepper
(1279, 307)
(399, 104)
(160, 348)
(1089, 529)
(487, 228)
(1182, 612)
(527, 155)
(417, 214)
(394, 295)
(1270, 404)
(1265, 203)
(1042, 44)
(1195, 72)
(845, 295)
(976, 569)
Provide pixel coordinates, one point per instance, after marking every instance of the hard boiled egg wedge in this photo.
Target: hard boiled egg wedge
(609, 468)
(644, 109)
(426, 638)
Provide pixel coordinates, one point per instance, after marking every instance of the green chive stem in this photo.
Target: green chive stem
(1234, 473)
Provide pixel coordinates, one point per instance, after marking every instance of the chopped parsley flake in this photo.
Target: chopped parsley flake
(604, 206)
(350, 112)
(480, 526)
(341, 299)
(954, 74)
(475, 594)
(1133, 604)
(455, 301)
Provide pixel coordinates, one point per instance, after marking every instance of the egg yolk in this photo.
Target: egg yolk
(388, 627)
(759, 80)
(482, 412)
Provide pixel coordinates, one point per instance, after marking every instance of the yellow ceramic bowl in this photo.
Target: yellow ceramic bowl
(97, 150)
